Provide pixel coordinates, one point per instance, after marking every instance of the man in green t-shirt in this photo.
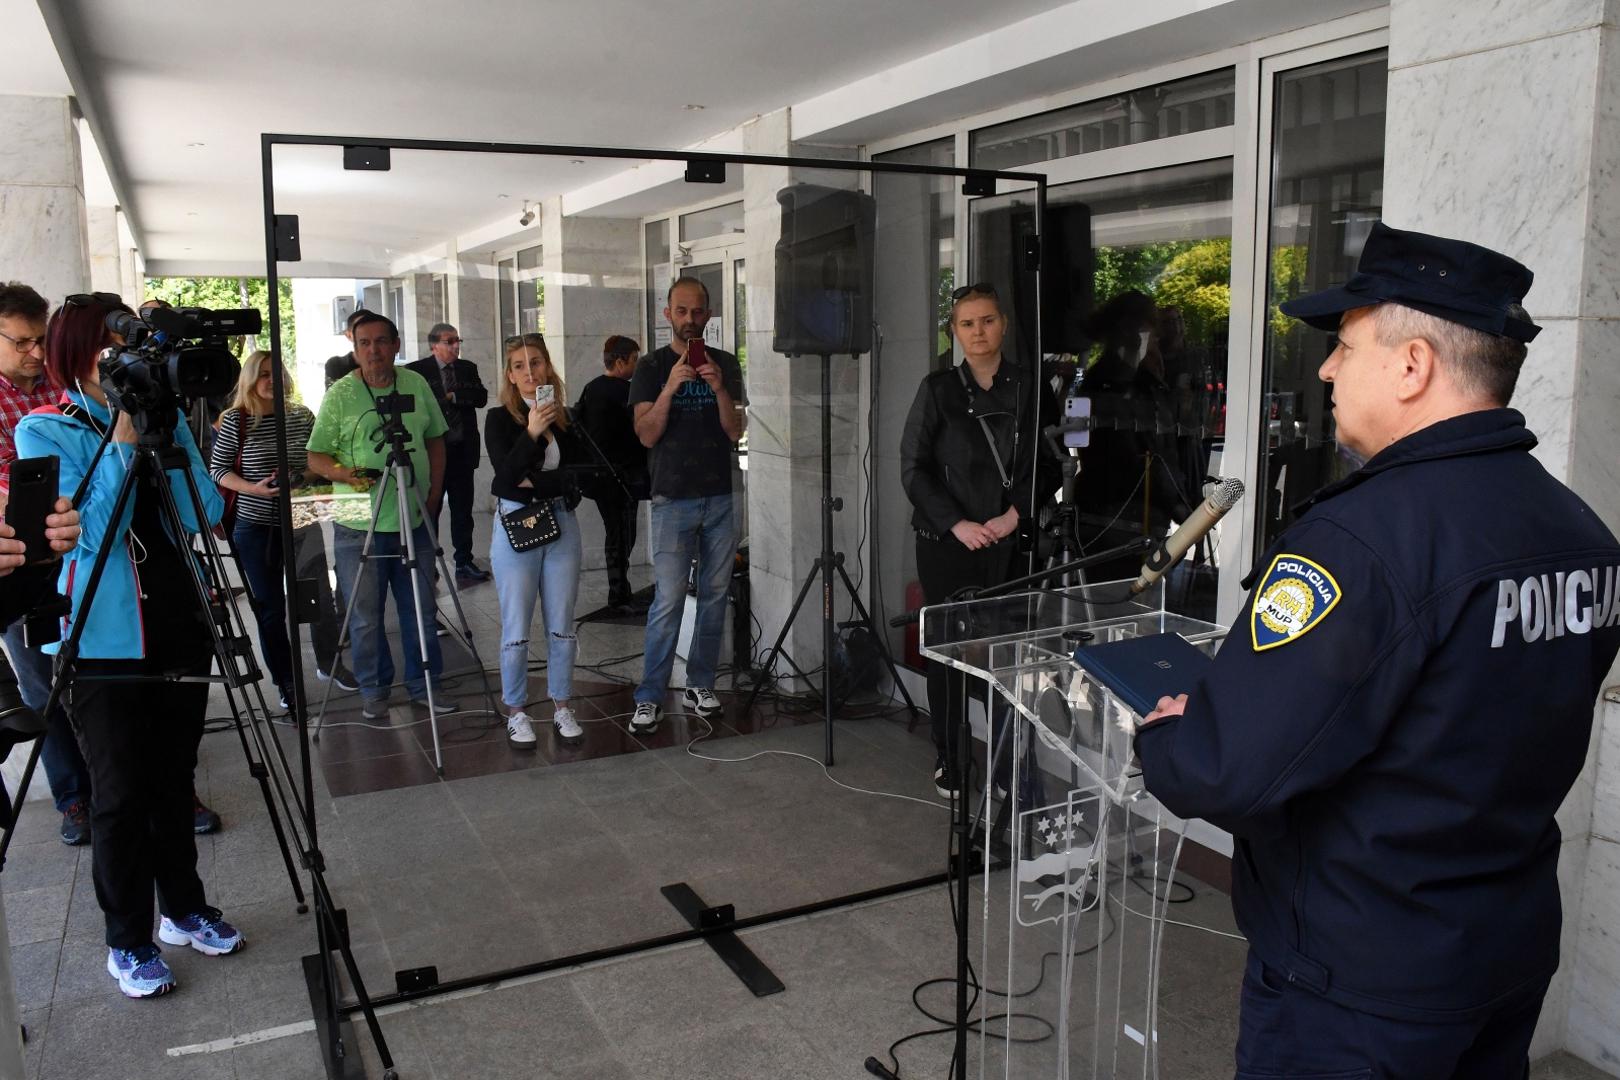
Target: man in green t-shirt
(347, 446)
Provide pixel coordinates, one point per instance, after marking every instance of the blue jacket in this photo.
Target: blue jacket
(1392, 725)
(117, 626)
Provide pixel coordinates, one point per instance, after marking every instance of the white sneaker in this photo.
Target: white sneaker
(520, 731)
(701, 700)
(646, 718)
(567, 726)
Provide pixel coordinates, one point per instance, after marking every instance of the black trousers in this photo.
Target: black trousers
(460, 463)
(618, 539)
(943, 567)
(1286, 1030)
(309, 556)
(140, 744)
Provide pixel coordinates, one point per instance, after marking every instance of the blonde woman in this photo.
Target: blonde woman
(530, 445)
(243, 460)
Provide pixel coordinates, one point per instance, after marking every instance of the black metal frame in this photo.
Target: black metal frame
(333, 1021)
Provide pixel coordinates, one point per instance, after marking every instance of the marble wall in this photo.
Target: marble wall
(1503, 129)
(45, 240)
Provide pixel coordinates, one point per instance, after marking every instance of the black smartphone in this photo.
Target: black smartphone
(33, 495)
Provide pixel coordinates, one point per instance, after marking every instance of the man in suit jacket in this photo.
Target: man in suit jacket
(461, 393)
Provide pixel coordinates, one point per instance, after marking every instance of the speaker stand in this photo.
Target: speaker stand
(825, 563)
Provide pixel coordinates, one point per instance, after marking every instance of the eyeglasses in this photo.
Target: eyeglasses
(24, 344)
(450, 341)
(983, 288)
(86, 299)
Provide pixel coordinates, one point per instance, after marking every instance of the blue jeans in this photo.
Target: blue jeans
(704, 528)
(551, 574)
(385, 572)
(65, 770)
(258, 549)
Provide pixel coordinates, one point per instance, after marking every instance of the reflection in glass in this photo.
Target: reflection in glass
(656, 236)
(1327, 190)
(1142, 115)
(1150, 355)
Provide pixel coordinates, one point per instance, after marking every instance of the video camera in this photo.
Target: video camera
(170, 358)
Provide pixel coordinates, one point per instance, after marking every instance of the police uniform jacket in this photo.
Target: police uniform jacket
(1390, 731)
(947, 465)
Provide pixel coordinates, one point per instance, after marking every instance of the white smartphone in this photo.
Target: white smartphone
(545, 395)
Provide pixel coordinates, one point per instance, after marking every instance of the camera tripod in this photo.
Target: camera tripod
(396, 482)
(155, 455)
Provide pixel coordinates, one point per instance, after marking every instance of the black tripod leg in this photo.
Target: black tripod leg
(776, 647)
(883, 650)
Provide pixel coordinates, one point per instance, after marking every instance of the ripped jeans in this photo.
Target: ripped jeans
(549, 573)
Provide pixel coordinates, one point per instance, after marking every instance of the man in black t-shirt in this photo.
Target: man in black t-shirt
(688, 404)
(604, 413)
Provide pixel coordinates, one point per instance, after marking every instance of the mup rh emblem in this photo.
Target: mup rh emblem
(1294, 596)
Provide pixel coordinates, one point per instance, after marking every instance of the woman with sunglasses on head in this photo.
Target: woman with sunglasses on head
(531, 445)
(976, 471)
(145, 625)
(243, 460)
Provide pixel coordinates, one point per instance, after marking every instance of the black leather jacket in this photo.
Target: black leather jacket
(946, 464)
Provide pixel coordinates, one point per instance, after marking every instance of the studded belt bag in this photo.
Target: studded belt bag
(531, 526)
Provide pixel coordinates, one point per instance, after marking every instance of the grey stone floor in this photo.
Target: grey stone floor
(478, 874)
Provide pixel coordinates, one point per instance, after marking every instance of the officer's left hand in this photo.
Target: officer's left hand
(1167, 707)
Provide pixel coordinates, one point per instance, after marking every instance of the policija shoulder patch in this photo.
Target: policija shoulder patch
(1294, 596)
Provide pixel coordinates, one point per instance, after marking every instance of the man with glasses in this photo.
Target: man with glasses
(688, 404)
(460, 394)
(349, 448)
(24, 387)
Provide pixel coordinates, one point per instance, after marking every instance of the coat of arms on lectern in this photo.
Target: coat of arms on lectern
(1055, 880)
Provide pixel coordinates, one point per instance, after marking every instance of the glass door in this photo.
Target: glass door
(1327, 189)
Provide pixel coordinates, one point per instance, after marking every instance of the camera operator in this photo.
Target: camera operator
(243, 460)
(25, 386)
(970, 497)
(139, 732)
(352, 433)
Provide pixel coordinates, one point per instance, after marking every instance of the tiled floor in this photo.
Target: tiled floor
(512, 858)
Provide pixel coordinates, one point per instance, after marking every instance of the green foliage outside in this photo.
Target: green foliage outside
(231, 292)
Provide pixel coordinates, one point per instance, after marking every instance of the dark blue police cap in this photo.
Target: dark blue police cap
(1450, 279)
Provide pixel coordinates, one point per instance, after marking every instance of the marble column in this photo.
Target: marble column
(45, 240)
(106, 273)
(1504, 128)
(475, 311)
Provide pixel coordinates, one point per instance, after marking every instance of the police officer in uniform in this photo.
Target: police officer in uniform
(1408, 698)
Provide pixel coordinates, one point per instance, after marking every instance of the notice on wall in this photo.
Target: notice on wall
(662, 335)
(711, 333)
(663, 274)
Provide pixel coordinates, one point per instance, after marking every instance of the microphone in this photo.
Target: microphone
(1223, 495)
(877, 1068)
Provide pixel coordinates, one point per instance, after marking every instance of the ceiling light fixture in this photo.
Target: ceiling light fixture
(528, 215)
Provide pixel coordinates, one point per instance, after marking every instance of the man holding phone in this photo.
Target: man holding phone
(688, 403)
(25, 386)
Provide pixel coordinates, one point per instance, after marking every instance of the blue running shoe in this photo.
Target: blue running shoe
(141, 973)
(206, 931)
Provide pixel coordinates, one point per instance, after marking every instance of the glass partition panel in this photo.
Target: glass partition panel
(455, 836)
(1327, 189)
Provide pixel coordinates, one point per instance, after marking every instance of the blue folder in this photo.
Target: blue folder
(1141, 670)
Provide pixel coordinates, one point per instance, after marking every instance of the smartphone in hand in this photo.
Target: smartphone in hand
(697, 354)
(33, 495)
(545, 395)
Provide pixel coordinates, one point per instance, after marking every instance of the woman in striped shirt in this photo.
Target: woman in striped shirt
(244, 461)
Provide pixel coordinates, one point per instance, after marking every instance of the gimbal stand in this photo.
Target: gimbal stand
(825, 563)
(396, 482)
